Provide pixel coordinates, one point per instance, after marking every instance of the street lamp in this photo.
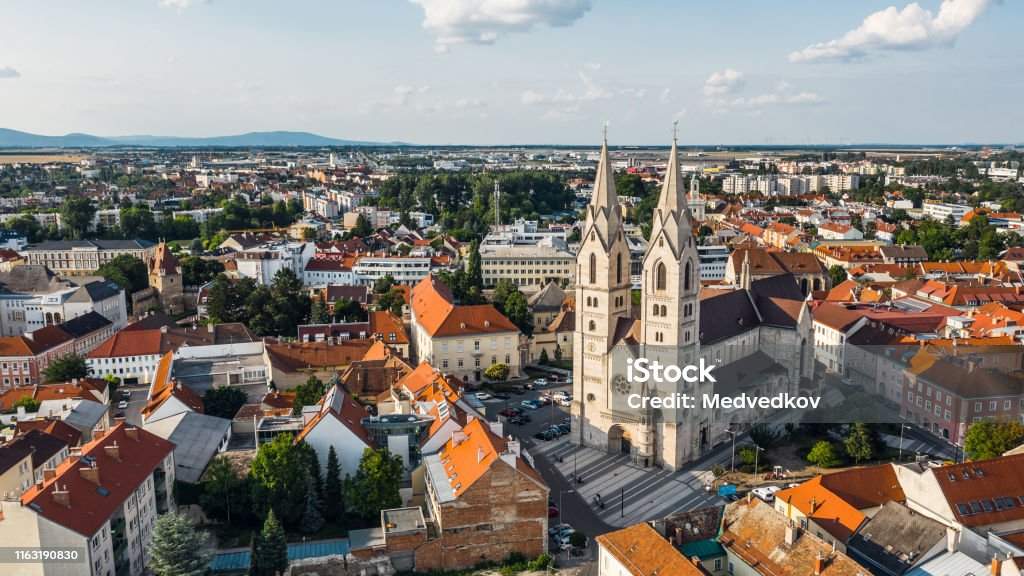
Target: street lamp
(757, 451)
(733, 433)
(902, 428)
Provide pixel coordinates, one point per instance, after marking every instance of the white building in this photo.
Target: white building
(527, 265)
(264, 262)
(713, 260)
(104, 506)
(833, 324)
(336, 422)
(404, 269)
(942, 211)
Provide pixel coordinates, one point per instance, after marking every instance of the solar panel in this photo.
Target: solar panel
(964, 509)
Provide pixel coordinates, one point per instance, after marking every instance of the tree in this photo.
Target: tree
(518, 311)
(196, 271)
(138, 222)
(393, 301)
(270, 549)
(312, 519)
(836, 275)
(823, 454)
(318, 313)
(308, 393)
(222, 489)
(223, 401)
(384, 284)
(990, 438)
(496, 372)
(29, 403)
(178, 548)
(76, 216)
(128, 272)
(348, 310)
(362, 227)
(859, 443)
(544, 356)
(475, 271)
(375, 485)
(278, 473)
(66, 368)
(333, 506)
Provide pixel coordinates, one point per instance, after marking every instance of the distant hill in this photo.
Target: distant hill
(17, 139)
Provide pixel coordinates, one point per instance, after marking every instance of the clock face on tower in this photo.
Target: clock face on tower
(620, 384)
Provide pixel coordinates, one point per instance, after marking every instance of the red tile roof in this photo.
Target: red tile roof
(130, 343)
(89, 507)
(434, 308)
(980, 485)
(644, 552)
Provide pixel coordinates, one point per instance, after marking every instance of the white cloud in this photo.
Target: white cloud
(589, 91)
(8, 72)
(723, 82)
(784, 94)
(912, 28)
(454, 22)
(665, 96)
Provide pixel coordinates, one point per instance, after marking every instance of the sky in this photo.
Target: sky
(520, 71)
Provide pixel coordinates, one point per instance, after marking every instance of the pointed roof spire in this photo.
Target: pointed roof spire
(672, 194)
(604, 181)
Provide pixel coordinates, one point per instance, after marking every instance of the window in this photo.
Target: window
(687, 272)
(592, 326)
(977, 406)
(593, 269)
(618, 269)
(660, 280)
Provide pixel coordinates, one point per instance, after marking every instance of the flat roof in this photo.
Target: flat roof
(400, 520)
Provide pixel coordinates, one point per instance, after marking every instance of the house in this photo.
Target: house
(759, 541)
(292, 363)
(197, 439)
(23, 460)
(337, 423)
(102, 501)
(461, 340)
(554, 339)
(167, 396)
(484, 502)
(380, 324)
(639, 550)
(131, 356)
(903, 254)
(18, 364)
(833, 325)
(804, 268)
(546, 303)
(78, 257)
(896, 540)
(837, 231)
(377, 372)
(834, 506)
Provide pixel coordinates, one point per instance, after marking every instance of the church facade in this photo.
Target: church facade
(667, 327)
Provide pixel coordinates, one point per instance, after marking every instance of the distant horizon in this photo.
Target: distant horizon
(124, 141)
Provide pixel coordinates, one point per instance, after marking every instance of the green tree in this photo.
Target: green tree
(270, 549)
(278, 473)
(823, 454)
(518, 311)
(127, 271)
(29, 403)
(475, 270)
(348, 310)
(384, 284)
(66, 368)
(496, 371)
(178, 548)
(76, 216)
(308, 393)
(318, 312)
(137, 222)
(392, 301)
(375, 485)
(990, 438)
(333, 505)
(544, 360)
(223, 401)
(222, 490)
(196, 271)
(836, 274)
(362, 228)
(859, 443)
(312, 519)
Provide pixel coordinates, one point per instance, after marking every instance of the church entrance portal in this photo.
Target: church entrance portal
(619, 441)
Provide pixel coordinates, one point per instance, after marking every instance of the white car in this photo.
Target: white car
(540, 382)
(766, 493)
(122, 405)
(483, 396)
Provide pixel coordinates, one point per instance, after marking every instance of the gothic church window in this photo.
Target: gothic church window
(660, 276)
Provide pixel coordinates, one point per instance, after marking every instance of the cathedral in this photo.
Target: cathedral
(668, 327)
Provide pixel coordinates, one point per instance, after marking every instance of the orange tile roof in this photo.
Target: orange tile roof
(16, 346)
(132, 343)
(384, 323)
(139, 452)
(832, 513)
(644, 552)
(466, 461)
(54, 427)
(298, 356)
(434, 309)
(983, 482)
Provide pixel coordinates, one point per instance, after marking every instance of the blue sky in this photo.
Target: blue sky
(519, 71)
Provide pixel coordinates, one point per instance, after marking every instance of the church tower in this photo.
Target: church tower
(602, 298)
(671, 310)
(696, 201)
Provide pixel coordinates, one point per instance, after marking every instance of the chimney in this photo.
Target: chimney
(792, 533)
(950, 540)
(91, 473)
(132, 432)
(819, 564)
(49, 474)
(62, 497)
(113, 451)
(996, 565)
(513, 446)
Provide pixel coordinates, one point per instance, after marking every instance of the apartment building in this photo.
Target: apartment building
(80, 257)
(529, 266)
(461, 340)
(103, 501)
(943, 211)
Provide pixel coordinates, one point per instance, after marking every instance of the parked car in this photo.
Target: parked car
(510, 412)
(554, 530)
(565, 402)
(766, 493)
(530, 404)
(516, 421)
(126, 394)
(540, 383)
(553, 511)
(560, 394)
(122, 405)
(502, 396)
(482, 396)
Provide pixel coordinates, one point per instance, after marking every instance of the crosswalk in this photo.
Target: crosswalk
(629, 492)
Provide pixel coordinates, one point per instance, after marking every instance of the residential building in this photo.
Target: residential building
(293, 363)
(24, 459)
(461, 340)
(944, 212)
(530, 266)
(639, 550)
(102, 501)
(78, 257)
(833, 325)
(337, 422)
(713, 262)
(804, 268)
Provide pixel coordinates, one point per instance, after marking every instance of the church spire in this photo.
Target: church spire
(603, 214)
(672, 193)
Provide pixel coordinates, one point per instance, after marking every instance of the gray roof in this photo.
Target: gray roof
(950, 563)
(895, 538)
(54, 245)
(85, 324)
(550, 297)
(196, 438)
(96, 291)
(39, 444)
(83, 415)
(30, 279)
